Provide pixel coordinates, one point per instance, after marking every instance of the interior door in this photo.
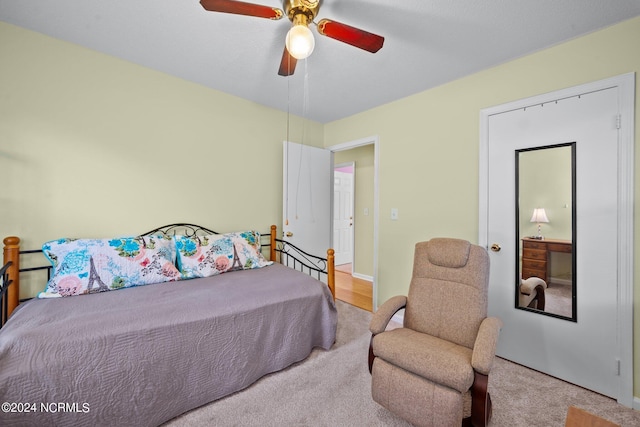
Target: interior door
(343, 216)
(584, 352)
(307, 194)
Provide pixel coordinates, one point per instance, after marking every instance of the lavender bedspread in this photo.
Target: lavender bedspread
(142, 356)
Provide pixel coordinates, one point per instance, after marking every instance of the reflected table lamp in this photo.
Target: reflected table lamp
(539, 216)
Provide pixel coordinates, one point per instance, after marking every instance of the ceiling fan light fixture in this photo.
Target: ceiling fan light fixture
(300, 41)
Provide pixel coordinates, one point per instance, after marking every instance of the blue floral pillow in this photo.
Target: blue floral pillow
(204, 256)
(85, 266)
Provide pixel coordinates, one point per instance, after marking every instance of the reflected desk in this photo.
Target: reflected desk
(536, 256)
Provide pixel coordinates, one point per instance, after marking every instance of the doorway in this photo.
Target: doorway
(308, 204)
(364, 155)
(590, 115)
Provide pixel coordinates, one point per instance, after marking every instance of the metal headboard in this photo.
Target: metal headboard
(194, 230)
(48, 268)
(182, 229)
(293, 256)
(4, 286)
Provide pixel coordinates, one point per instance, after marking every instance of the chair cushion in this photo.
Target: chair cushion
(451, 253)
(435, 359)
(416, 399)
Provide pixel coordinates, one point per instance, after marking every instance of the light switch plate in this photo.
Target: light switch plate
(394, 214)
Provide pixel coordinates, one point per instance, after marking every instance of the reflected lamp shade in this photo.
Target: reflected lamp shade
(539, 216)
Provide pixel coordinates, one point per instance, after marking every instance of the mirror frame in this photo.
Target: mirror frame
(574, 300)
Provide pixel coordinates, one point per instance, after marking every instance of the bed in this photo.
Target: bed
(143, 355)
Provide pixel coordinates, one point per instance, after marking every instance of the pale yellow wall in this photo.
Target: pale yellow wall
(429, 145)
(545, 182)
(363, 232)
(92, 146)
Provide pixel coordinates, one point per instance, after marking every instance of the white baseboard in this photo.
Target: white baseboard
(636, 403)
(363, 277)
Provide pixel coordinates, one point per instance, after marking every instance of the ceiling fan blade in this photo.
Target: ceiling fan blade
(351, 35)
(288, 64)
(242, 8)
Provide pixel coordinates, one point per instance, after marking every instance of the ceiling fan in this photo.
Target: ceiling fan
(299, 42)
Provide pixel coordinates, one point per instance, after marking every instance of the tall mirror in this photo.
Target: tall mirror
(546, 230)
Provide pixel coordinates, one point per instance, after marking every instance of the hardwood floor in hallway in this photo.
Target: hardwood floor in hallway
(354, 291)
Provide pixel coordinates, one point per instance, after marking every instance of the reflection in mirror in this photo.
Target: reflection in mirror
(545, 230)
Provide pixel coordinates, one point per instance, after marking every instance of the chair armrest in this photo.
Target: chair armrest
(385, 312)
(484, 348)
(527, 286)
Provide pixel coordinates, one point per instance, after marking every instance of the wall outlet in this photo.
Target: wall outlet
(394, 214)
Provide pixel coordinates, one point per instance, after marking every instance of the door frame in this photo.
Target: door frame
(626, 136)
(370, 140)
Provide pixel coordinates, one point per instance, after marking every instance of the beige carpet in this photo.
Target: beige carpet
(558, 300)
(332, 388)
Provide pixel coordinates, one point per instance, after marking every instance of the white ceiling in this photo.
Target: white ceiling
(427, 43)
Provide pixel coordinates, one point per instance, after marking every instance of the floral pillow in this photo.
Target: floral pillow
(204, 256)
(85, 266)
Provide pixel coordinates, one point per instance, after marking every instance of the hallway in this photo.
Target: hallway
(354, 291)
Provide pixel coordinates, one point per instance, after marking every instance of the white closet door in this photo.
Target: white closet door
(583, 352)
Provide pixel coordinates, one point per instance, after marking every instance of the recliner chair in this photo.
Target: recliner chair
(434, 370)
(532, 293)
